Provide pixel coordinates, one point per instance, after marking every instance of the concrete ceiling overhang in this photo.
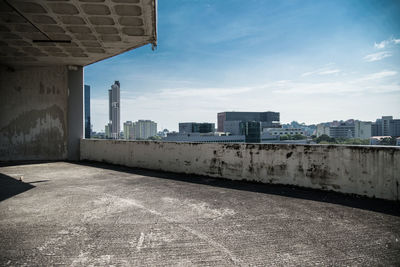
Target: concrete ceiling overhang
(73, 32)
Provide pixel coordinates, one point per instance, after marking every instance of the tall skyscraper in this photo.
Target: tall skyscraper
(87, 112)
(114, 109)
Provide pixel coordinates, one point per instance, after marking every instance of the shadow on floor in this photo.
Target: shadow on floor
(10, 187)
(354, 201)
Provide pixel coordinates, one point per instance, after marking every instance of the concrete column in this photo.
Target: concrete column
(75, 111)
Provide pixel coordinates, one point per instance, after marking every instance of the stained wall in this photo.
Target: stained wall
(33, 113)
(364, 170)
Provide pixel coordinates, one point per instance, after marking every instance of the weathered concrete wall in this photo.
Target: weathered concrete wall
(33, 113)
(362, 170)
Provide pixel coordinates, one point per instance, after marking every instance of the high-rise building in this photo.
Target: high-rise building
(322, 129)
(362, 129)
(195, 127)
(394, 127)
(268, 119)
(114, 109)
(143, 129)
(88, 129)
(386, 125)
(376, 128)
(129, 132)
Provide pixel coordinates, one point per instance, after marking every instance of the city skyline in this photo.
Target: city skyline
(312, 61)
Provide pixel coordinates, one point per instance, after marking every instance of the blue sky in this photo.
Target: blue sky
(313, 61)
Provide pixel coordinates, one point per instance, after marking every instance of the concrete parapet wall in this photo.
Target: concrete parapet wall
(364, 170)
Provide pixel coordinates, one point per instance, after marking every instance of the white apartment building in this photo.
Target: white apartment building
(128, 130)
(142, 129)
(362, 129)
(322, 129)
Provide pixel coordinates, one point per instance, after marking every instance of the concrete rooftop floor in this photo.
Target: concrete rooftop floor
(95, 214)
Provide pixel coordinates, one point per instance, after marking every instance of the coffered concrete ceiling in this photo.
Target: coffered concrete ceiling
(73, 32)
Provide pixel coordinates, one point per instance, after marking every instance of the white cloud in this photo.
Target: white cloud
(326, 72)
(377, 56)
(322, 71)
(386, 43)
(381, 45)
(341, 89)
(371, 83)
(196, 92)
(378, 75)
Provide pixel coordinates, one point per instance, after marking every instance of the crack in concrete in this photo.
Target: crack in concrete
(203, 237)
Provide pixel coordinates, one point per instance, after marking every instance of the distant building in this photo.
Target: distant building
(362, 129)
(394, 128)
(342, 131)
(386, 126)
(114, 109)
(195, 127)
(376, 128)
(88, 129)
(283, 131)
(268, 119)
(232, 127)
(98, 135)
(322, 129)
(145, 129)
(220, 137)
(376, 140)
(252, 131)
(142, 129)
(204, 137)
(107, 131)
(308, 130)
(163, 133)
(129, 130)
